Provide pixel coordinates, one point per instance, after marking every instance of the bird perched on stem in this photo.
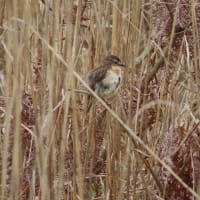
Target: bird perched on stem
(106, 79)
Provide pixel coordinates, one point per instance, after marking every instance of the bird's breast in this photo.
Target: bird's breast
(117, 70)
(110, 84)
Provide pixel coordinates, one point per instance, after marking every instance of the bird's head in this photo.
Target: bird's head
(113, 60)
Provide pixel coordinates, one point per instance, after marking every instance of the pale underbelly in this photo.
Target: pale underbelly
(109, 86)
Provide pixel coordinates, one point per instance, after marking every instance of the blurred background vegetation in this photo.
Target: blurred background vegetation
(146, 147)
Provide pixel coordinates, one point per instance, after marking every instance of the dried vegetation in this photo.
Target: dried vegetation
(146, 147)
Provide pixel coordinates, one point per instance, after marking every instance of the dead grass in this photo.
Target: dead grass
(146, 146)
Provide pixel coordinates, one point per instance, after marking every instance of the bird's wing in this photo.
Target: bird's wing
(96, 75)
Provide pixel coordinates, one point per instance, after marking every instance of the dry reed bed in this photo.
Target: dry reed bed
(146, 147)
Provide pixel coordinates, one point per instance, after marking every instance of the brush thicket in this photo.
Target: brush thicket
(51, 148)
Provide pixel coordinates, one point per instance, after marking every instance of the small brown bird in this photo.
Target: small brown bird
(105, 79)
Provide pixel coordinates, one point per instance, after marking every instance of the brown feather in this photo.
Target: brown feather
(97, 75)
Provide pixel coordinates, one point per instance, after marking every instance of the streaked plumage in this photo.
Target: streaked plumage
(106, 78)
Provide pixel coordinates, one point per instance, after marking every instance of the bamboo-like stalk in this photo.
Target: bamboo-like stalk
(50, 148)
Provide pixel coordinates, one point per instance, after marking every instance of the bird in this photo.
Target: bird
(106, 79)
